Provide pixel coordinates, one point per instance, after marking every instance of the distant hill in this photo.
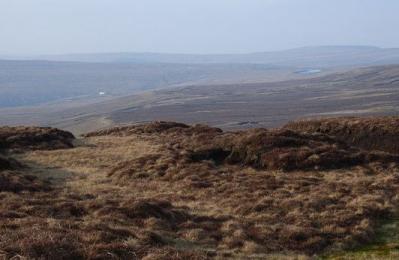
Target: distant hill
(88, 77)
(35, 82)
(365, 91)
(319, 56)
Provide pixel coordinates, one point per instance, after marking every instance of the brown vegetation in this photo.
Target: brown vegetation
(171, 191)
(13, 176)
(260, 148)
(287, 150)
(7, 163)
(34, 138)
(206, 163)
(370, 133)
(67, 226)
(12, 180)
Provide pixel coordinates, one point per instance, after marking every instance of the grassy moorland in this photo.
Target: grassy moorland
(171, 191)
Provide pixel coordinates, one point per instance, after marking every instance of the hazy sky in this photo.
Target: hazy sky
(193, 26)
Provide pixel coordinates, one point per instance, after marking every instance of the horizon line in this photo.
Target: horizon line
(188, 53)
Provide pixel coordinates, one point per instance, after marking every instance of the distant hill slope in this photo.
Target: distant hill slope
(36, 82)
(42, 79)
(319, 56)
(366, 91)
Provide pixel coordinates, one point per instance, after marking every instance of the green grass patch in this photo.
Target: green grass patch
(384, 246)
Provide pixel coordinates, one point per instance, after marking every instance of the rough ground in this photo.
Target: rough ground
(378, 133)
(34, 138)
(171, 191)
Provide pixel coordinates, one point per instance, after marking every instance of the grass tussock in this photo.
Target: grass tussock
(172, 191)
(284, 150)
(288, 150)
(157, 127)
(15, 181)
(62, 226)
(331, 197)
(24, 138)
(370, 133)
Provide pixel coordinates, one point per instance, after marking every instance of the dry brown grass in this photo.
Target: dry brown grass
(170, 191)
(378, 133)
(15, 181)
(288, 150)
(24, 138)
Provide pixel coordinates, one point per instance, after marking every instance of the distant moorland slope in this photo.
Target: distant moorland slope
(26, 81)
(317, 56)
(365, 91)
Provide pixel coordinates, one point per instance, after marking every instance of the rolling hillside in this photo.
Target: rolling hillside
(97, 77)
(366, 91)
(24, 83)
